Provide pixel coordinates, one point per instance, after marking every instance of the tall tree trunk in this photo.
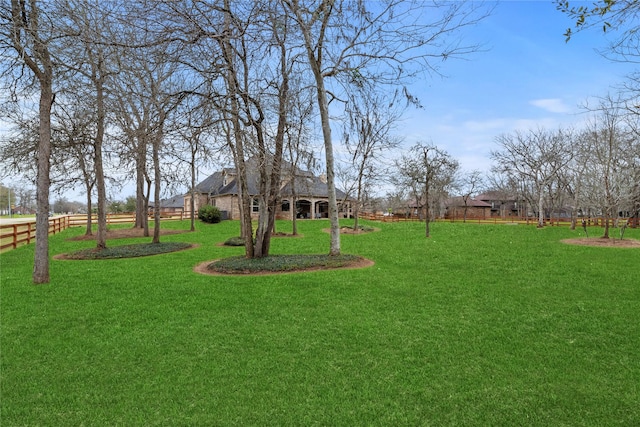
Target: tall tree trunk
(156, 192)
(43, 182)
(141, 165)
(540, 208)
(427, 216)
(89, 231)
(101, 237)
(192, 202)
(358, 199)
(25, 29)
(323, 107)
(315, 64)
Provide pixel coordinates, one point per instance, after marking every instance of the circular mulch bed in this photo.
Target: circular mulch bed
(603, 242)
(123, 233)
(203, 268)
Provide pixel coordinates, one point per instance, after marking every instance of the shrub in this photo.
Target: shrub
(234, 241)
(209, 214)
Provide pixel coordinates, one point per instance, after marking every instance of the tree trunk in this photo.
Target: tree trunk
(41, 260)
(323, 107)
(427, 217)
(25, 29)
(141, 165)
(101, 237)
(156, 193)
(89, 230)
(192, 202)
(540, 208)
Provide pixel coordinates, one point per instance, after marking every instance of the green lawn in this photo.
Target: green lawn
(481, 325)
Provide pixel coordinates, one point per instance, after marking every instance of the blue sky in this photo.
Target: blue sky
(528, 77)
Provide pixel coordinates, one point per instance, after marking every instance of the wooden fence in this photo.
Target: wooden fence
(553, 222)
(20, 233)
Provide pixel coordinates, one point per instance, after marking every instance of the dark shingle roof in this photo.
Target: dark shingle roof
(305, 183)
(174, 202)
(471, 202)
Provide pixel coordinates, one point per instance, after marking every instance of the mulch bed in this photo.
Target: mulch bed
(603, 242)
(203, 268)
(123, 233)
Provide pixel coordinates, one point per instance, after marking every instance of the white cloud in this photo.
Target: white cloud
(553, 105)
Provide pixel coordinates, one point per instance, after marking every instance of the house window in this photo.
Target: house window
(286, 206)
(255, 205)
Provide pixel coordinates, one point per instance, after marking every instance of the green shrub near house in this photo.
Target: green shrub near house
(209, 214)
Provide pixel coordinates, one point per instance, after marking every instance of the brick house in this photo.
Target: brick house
(475, 208)
(503, 205)
(309, 200)
(174, 205)
(492, 204)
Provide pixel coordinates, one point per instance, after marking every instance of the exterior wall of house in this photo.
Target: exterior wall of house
(228, 203)
(200, 200)
(457, 212)
(313, 207)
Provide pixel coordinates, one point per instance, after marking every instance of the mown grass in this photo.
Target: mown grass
(479, 325)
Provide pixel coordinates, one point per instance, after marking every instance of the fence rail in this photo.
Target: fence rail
(21, 233)
(553, 222)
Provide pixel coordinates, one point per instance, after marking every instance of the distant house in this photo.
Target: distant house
(174, 205)
(301, 194)
(492, 204)
(503, 205)
(470, 207)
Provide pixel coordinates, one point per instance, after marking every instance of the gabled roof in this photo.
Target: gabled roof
(174, 202)
(309, 186)
(306, 184)
(474, 202)
(496, 195)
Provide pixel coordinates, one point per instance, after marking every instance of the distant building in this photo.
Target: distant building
(174, 205)
(301, 194)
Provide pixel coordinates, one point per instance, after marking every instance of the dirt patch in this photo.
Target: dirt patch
(123, 233)
(281, 234)
(202, 268)
(603, 242)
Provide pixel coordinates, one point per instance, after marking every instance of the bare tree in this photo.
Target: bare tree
(387, 43)
(297, 136)
(88, 54)
(534, 158)
(194, 123)
(610, 148)
(431, 172)
(470, 182)
(370, 119)
(26, 31)
(73, 149)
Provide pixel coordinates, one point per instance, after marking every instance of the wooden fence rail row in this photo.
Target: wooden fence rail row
(23, 233)
(591, 222)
